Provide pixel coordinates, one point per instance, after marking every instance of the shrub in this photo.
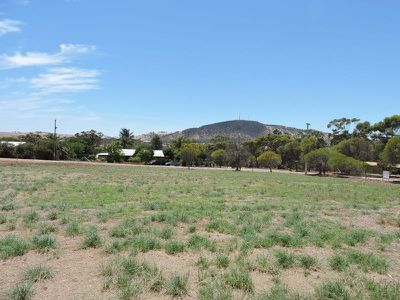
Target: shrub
(345, 164)
(11, 246)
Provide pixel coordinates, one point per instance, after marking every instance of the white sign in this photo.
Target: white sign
(386, 175)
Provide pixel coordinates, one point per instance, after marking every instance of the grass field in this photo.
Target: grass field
(110, 232)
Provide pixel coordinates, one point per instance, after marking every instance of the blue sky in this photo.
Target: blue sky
(169, 65)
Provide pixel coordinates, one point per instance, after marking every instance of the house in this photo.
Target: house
(131, 152)
(158, 153)
(14, 144)
(125, 153)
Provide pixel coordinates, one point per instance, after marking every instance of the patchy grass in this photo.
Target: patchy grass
(173, 247)
(177, 285)
(234, 227)
(91, 239)
(38, 273)
(239, 279)
(43, 242)
(21, 291)
(11, 246)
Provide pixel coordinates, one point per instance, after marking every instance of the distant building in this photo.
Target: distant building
(125, 153)
(131, 152)
(14, 144)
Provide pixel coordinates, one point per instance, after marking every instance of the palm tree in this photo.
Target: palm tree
(126, 137)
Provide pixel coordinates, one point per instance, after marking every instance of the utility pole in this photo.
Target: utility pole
(305, 162)
(55, 141)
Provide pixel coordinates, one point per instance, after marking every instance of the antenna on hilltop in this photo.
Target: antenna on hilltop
(308, 126)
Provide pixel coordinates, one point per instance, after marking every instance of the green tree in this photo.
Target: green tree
(92, 140)
(345, 164)
(318, 159)
(386, 129)
(237, 154)
(291, 153)
(144, 152)
(126, 138)
(340, 129)
(218, 157)
(190, 153)
(114, 152)
(357, 148)
(269, 159)
(391, 153)
(156, 142)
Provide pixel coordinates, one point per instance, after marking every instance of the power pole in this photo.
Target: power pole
(305, 162)
(55, 141)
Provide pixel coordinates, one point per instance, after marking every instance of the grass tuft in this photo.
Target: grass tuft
(11, 246)
(177, 285)
(21, 291)
(38, 273)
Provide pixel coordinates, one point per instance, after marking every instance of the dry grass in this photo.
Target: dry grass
(159, 233)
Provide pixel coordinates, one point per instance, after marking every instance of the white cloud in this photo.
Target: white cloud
(65, 80)
(7, 26)
(31, 59)
(68, 49)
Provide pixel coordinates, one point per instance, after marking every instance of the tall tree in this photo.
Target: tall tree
(340, 129)
(156, 142)
(270, 159)
(126, 137)
(391, 153)
(237, 154)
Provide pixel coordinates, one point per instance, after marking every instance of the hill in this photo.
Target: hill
(231, 129)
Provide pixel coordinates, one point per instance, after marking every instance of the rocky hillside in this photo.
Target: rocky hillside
(231, 129)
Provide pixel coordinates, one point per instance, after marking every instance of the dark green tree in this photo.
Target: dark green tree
(126, 138)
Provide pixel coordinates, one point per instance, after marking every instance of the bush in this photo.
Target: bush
(134, 159)
(345, 164)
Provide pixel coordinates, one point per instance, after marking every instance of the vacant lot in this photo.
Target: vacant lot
(106, 232)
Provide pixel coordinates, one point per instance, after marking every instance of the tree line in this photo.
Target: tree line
(345, 149)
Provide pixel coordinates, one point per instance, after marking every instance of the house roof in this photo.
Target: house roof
(12, 143)
(158, 153)
(128, 152)
(125, 152)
